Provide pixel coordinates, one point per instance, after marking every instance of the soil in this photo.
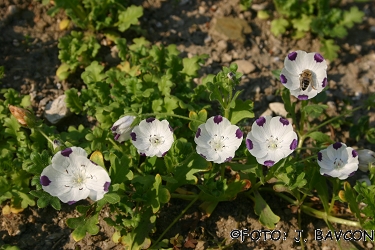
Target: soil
(28, 50)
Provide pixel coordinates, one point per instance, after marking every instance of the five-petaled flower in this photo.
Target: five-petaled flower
(366, 159)
(121, 129)
(271, 139)
(304, 74)
(217, 140)
(338, 160)
(152, 137)
(72, 177)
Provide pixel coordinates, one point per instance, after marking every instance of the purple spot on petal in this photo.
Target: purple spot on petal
(292, 56)
(94, 163)
(203, 156)
(318, 58)
(337, 145)
(114, 128)
(133, 136)
(249, 144)
(218, 119)
(71, 202)
(164, 153)
(268, 163)
(198, 133)
(320, 156)
(44, 180)
(170, 128)
(284, 121)
(228, 159)
(293, 145)
(239, 134)
(324, 83)
(117, 136)
(260, 121)
(150, 119)
(106, 186)
(66, 152)
(303, 97)
(351, 174)
(354, 153)
(326, 175)
(142, 154)
(283, 79)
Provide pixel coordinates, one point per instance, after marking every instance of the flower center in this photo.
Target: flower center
(156, 140)
(78, 176)
(217, 143)
(338, 163)
(273, 143)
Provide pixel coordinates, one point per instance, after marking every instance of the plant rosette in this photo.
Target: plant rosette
(338, 160)
(122, 128)
(271, 139)
(217, 140)
(72, 177)
(304, 74)
(152, 137)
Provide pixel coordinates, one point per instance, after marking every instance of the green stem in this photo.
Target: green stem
(176, 219)
(316, 213)
(332, 119)
(45, 136)
(173, 115)
(302, 121)
(114, 144)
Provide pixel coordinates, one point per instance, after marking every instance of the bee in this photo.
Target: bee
(305, 79)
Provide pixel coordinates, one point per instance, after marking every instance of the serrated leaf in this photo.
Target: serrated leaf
(93, 73)
(302, 24)
(128, 17)
(201, 116)
(320, 137)
(329, 49)
(73, 101)
(314, 110)
(354, 15)
(279, 26)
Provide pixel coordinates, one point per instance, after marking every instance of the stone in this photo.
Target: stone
(230, 28)
(56, 110)
(244, 66)
(278, 108)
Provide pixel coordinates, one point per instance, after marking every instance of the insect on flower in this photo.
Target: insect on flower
(304, 74)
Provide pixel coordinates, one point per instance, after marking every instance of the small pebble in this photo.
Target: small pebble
(16, 43)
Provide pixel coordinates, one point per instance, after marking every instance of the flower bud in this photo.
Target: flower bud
(366, 159)
(122, 128)
(23, 116)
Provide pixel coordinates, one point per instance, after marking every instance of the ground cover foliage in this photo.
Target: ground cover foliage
(153, 81)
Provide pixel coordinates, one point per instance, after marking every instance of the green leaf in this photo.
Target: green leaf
(119, 170)
(191, 65)
(329, 49)
(93, 73)
(243, 110)
(122, 47)
(38, 162)
(266, 217)
(128, 17)
(314, 110)
(73, 101)
(302, 24)
(320, 137)
(352, 16)
(201, 116)
(46, 199)
(279, 26)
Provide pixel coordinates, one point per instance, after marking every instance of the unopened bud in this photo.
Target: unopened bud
(122, 128)
(23, 116)
(366, 159)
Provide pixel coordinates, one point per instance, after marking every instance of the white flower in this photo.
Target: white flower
(121, 129)
(304, 74)
(152, 137)
(72, 177)
(217, 140)
(338, 160)
(366, 158)
(271, 139)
